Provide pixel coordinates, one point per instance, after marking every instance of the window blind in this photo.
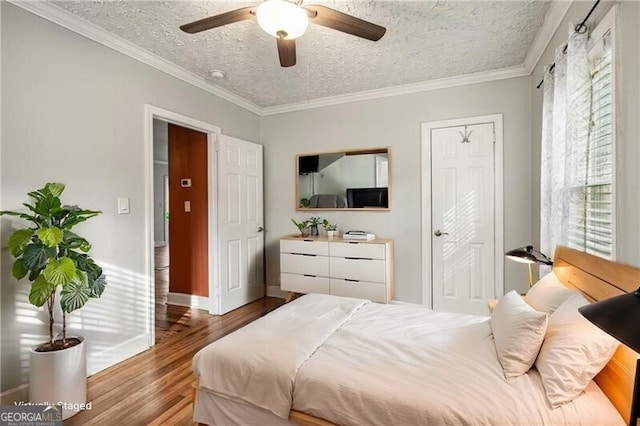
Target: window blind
(591, 198)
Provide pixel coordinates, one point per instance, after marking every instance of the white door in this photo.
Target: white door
(241, 232)
(462, 229)
(166, 209)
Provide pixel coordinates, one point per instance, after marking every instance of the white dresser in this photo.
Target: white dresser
(362, 269)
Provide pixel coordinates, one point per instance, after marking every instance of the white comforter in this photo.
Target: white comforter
(258, 363)
(393, 365)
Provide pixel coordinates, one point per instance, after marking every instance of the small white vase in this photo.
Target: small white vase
(60, 377)
(331, 234)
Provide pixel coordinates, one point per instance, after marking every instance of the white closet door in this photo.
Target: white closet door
(241, 232)
(462, 217)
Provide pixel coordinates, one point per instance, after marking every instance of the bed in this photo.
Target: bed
(324, 360)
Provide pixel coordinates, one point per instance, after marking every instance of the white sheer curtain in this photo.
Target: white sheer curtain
(565, 132)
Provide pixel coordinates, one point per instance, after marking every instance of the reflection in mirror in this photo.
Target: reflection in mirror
(347, 179)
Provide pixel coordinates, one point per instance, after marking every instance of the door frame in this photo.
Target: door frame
(213, 132)
(425, 199)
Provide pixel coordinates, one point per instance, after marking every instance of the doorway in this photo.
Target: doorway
(462, 249)
(181, 268)
(235, 223)
(211, 132)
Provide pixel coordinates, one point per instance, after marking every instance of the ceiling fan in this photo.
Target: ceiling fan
(287, 20)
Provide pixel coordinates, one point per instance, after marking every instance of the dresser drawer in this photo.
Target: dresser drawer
(358, 269)
(305, 246)
(304, 264)
(304, 283)
(362, 290)
(357, 249)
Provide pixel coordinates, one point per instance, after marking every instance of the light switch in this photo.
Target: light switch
(187, 206)
(123, 205)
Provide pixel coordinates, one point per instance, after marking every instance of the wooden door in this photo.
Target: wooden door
(188, 212)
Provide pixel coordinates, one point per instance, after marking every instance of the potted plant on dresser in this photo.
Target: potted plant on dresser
(331, 228)
(314, 222)
(52, 257)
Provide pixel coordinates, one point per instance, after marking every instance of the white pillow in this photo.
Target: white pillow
(518, 332)
(573, 352)
(547, 294)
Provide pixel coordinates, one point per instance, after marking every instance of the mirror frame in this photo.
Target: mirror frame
(378, 150)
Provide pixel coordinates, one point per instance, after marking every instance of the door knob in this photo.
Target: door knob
(261, 229)
(439, 234)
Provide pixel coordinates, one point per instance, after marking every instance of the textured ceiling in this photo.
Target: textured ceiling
(425, 40)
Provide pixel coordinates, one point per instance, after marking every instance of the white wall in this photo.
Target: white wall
(72, 112)
(627, 115)
(395, 122)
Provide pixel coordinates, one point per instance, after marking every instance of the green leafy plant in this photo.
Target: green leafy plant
(314, 221)
(329, 226)
(304, 202)
(300, 225)
(50, 255)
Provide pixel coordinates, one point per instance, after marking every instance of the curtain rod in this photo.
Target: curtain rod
(579, 28)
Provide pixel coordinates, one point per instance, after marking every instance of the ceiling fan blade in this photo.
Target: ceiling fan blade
(287, 52)
(336, 20)
(219, 20)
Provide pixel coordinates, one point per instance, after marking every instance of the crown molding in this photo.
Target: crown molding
(78, 25)
(554, 17)
(424, 86)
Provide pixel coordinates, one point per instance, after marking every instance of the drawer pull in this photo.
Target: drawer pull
(358, 258)
(310, 276)
(308, 241)
(353, 242)
(304, 254)
(352, 281)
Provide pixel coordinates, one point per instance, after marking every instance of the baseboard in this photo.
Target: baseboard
(274, 291)
(189, 300)
(19, 394)
(99, 361)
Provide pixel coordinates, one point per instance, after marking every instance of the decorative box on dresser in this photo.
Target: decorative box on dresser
(362, 269)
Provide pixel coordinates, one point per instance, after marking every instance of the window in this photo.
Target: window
(591, 224)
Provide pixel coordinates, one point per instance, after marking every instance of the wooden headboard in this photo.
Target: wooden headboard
(600, 279)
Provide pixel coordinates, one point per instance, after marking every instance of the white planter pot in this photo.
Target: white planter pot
(60, 377)
(331, 234)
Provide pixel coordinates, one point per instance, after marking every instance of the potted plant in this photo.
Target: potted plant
(314, 221)
(331, 228)
(303, 227)
(304, 203)
(52, 257)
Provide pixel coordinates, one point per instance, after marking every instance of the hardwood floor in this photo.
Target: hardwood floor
(157, 386)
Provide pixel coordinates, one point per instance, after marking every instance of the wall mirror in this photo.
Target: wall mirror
(343, 180)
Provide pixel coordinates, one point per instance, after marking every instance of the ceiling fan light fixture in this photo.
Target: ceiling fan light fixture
(282, 19)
